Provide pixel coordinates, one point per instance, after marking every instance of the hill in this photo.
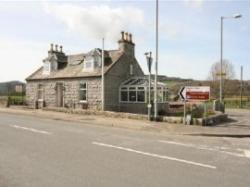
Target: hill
(9, 87)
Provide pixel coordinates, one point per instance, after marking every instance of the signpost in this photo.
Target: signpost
(193, 93)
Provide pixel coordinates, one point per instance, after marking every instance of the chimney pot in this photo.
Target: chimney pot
(122, 33)
(51, 47)
(61, 48)
(130, 38)
(56, 47)
(126, 36)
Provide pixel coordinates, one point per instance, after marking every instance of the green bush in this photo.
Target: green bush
(16, 100)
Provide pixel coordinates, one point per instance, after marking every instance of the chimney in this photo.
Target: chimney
(126, 44)
(61, 49)
(51, 47)
(56, 47)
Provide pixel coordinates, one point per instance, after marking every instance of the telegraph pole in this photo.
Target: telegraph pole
(241, 85)
(156, 63)
(102, 74)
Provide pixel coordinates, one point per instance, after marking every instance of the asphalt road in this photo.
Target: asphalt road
(43, 152)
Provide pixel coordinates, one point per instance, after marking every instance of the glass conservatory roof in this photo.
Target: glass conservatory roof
(141, 81)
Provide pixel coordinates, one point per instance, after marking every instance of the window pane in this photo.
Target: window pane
(83, 86)
(83, 95)
(88, 64)
(140, 96)
(124, 96)
(132, 95)
(165, 95)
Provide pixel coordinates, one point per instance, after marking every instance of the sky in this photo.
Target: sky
(189, 33)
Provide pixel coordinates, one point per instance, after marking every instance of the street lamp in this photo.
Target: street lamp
(235, 16)
(149, 63)
(156, 59)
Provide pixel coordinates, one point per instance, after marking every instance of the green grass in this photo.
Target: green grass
(235, 103)
(16, 100)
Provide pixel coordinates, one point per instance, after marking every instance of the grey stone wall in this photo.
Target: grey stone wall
(113, 79)
(70, 93)
(141, 108)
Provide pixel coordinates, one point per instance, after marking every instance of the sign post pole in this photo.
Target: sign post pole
(184, 113)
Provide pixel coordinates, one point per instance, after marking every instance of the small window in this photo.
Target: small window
(124, 94)
(83, 92)
(88, 65)
(131, 69)
(46, 68)
(140, 94)
(40, 92)
(165, 95)
(132, 94)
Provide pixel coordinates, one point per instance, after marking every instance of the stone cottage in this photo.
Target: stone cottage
(74, 81)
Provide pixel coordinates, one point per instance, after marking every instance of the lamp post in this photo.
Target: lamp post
(103, 104)
(149, 63)
(156, 60)
(235, 16)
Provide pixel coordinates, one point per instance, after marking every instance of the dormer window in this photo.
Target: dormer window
(88, 64)
(50, 64)
(46, 68)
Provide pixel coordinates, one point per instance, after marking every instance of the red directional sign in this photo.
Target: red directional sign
(195, 93)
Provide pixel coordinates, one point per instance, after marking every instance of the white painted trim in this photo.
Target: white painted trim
(31, 129)
(155, 155)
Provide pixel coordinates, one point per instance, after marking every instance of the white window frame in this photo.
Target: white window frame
(161, 99)
(83, 89)
(136, 94)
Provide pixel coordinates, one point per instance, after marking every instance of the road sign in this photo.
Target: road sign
(195, 93)
(221, 74)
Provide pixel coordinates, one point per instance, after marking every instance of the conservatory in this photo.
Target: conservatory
(134, 95)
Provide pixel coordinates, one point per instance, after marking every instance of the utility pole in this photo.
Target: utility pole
(241, 85)
(221, 56)
(156, 62)
(149, 63)
(103, 74)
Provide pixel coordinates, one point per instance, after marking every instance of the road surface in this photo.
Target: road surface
(44, 152)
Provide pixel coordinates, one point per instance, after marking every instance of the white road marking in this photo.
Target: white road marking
(31, 129)
(155, 155)
(247, 153)
(203, 147)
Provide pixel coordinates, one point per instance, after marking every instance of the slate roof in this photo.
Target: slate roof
(74, 67)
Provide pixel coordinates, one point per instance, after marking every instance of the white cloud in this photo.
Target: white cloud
(96, 21)
(195, 3)
(20, 58)
(187, 66)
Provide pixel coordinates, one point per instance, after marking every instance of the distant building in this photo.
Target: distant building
(12, 88)
(74, 81)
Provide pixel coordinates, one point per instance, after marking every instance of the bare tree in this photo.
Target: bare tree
(227, 74)
(227, 71)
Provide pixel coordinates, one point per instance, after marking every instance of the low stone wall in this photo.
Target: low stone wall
(208, 121)
(172, 119)
(102, 113)
(141, 108)
(4, 101)
(212, 120)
